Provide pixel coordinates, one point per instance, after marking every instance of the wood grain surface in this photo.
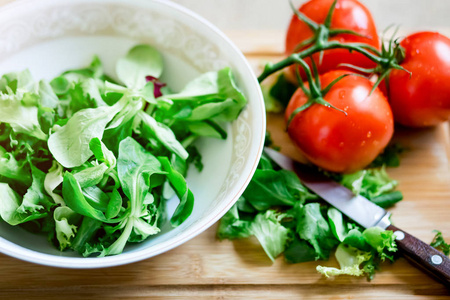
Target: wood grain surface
(205, 268)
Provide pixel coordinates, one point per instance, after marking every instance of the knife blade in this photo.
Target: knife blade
(367, 214)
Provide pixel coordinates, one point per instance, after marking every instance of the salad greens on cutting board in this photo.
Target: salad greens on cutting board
(286, 218)
(91, 162)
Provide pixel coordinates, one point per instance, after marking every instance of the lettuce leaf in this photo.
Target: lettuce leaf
(439, 243)
(92, 162)
(361, 253)
(349, 259)
(312, 227)
(270, 233)
(288, 219)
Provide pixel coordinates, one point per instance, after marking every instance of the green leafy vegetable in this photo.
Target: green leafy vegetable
(287, 218)
(270, 233)
(372, 183)
(269, 188)
(164, 135)
(92, 163)
(299, 251)
(349, 260)
(141, 61)
(52, 180)
(232, 226)
(390, 156)
(337, 225)
(64, 225)
(12, 169)
(313, 227)
(11, 209)
(20, 115)
(86, 125)
(361, 253)
(440, 244)
(277, 95)
(180, 187)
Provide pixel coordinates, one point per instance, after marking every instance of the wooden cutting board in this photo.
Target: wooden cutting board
(205, 268)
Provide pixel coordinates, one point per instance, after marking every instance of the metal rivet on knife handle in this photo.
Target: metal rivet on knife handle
(436, 259)
(399, 235)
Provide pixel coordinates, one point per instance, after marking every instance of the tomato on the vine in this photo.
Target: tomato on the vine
(338, 141)
(422, 97)
(348, 14)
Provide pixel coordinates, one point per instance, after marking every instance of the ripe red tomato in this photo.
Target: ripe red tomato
(348, 14)
(335, 141)
(422, 98)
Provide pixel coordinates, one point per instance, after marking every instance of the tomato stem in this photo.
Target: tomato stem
(325, 45)
(314, 94)
(387, 59)
(310, 23)
(327, 21)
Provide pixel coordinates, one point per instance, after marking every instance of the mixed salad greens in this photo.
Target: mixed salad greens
(288, 219)
(91, 162)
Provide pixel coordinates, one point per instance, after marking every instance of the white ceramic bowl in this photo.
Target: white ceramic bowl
(49, 36)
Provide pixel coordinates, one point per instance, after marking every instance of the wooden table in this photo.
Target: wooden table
(205, 268)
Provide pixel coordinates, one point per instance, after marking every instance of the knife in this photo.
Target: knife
(367, 214)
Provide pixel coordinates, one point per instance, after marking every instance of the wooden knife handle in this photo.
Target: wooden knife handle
(423, 255)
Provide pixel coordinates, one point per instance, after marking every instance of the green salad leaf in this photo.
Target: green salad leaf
(141, 61)
(19, 114)
(64, 225)
(92, 162)
(86, 125)
(14, 170)
(278, 94)
(12, 209)
(270, 233)
(314, 228)
(440, 244)
(349, 259)
(288, 219)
